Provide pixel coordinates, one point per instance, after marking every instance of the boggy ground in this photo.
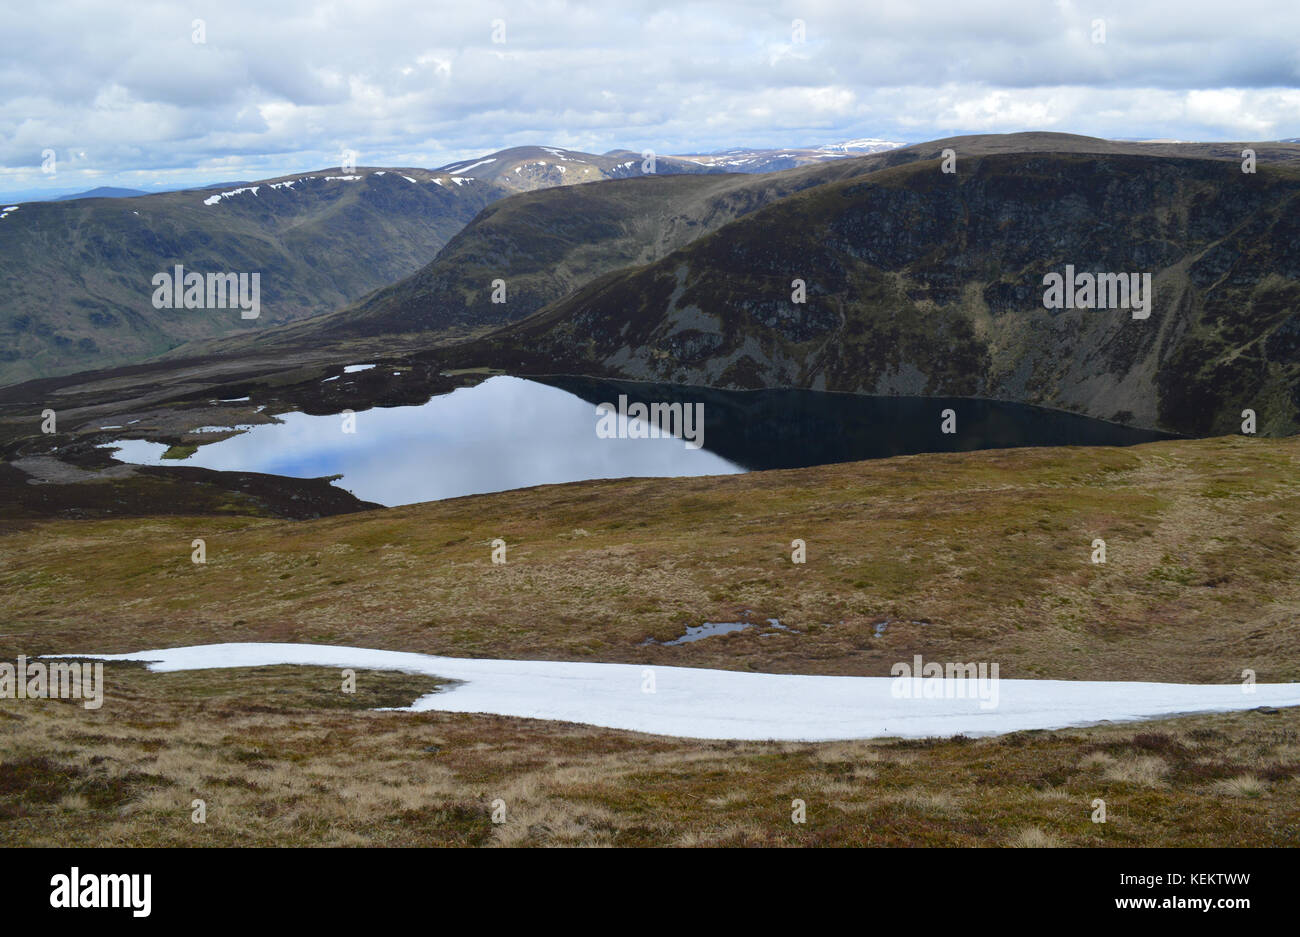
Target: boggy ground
(965, 557)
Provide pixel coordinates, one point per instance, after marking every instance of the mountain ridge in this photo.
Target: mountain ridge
(77, 275)
(891, 310)
(919, 282)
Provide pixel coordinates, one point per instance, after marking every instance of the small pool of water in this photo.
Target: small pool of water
(710, 628)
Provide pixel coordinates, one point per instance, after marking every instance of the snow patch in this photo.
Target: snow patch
(722, 704)
(231, 194)
(482, 162)
(870, 144)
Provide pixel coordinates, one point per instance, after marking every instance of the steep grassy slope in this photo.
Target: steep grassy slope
(75, 288)
(921, 282)
(76, 276)
(545, 244)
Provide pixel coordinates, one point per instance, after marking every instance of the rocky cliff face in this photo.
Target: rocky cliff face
(544, 245)
(916, 281)
(922, 282)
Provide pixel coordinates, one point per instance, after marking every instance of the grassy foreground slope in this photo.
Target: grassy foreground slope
(972, 556)
(283, 758)
(976, 556)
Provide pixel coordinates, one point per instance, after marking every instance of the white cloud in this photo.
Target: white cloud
(283, 87)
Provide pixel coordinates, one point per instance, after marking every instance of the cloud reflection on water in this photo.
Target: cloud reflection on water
(504, 433)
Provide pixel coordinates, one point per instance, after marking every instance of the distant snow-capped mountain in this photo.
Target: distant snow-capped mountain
(745, 159)
(867, 145)
(527, 168)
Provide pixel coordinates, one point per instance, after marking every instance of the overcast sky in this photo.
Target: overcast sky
(125, 95)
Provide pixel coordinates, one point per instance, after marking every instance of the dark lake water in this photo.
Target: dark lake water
(509, 432)
(769, 429)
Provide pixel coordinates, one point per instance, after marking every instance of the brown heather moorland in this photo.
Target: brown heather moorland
(975, 556)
